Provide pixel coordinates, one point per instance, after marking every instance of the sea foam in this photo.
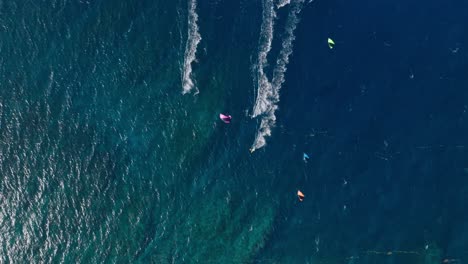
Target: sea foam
(193, 39)
(267, 99)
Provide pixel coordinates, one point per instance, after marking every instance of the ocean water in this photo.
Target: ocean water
(111, 149)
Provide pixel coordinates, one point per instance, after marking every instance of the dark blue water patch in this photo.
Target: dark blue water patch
(374, 112)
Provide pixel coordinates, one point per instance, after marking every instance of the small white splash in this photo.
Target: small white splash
(193, 39)
(282, 3)
(317, 242)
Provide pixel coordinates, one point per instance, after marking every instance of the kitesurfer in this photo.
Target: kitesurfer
(300, 195)
(225, 118)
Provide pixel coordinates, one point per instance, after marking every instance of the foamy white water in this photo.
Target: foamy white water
(266, 38)
(193, 39)
(286, 47)
(282, 3)
(268, 92)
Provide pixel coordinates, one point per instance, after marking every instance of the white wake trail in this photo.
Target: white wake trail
(286, 47)
(266, 38)
(193, 39)
(269, 98)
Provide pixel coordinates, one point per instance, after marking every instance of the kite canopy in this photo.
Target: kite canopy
(300, 195)
(331, 43)
(225, 118)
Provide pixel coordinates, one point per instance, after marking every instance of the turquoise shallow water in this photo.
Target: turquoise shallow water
(103, 159)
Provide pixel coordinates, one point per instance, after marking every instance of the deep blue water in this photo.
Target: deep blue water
(105, 159)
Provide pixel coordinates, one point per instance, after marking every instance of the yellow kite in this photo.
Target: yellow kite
(331, 43)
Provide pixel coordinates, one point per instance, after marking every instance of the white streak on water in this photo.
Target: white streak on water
(268, 92)
(286, 48)
(193, 39)
(282, 3)
(266, 37)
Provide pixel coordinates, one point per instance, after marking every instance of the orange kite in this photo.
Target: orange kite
(300, 195)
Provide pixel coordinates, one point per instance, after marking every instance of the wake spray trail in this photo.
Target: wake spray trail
(266, 38)
(193, 39)
(268, 92)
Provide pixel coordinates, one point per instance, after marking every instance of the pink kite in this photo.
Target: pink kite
(226, 118)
